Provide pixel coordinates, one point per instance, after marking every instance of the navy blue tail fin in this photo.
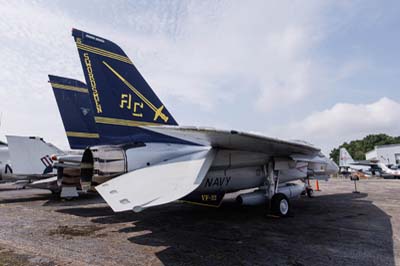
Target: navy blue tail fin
(73, 102)
(120, 96)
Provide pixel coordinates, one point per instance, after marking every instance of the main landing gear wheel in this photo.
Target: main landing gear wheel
(280, 205)
(310, 192)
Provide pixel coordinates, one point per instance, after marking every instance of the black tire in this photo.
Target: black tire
(55, 192)
(280, 205)
(310, 192)
(60, 173)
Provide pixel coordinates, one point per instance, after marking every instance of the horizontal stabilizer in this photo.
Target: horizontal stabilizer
(157, 184)
(47, 183)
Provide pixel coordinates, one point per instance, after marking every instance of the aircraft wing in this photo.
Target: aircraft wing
(364, 163)
(235, 140)
(158, 184)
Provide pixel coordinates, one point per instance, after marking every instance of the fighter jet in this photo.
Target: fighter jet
(363, 169)
(149, 160)
(32, 162)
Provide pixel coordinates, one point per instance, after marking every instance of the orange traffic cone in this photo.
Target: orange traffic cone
(317, 185)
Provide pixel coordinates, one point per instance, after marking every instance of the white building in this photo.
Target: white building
(387, 154)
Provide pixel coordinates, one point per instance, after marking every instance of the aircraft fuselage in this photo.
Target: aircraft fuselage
(6, 171)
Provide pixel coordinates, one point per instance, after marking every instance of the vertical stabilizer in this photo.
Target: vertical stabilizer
(345, 158)
(76, 112)
(31, 155)
(121, 99)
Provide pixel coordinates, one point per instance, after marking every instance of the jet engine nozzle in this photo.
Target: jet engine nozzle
(99, 164)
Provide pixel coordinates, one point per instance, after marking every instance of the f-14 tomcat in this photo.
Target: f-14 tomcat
(145, 159)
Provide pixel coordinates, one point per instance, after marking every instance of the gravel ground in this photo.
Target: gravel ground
(337, 227)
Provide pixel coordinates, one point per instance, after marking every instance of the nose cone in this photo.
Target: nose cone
(331, 168)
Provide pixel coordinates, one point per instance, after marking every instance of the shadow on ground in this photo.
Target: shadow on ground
(83, 199)
(340, 229)
(12, 195)
(26, 199)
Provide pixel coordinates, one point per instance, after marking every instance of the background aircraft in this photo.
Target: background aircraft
(32, 163)
(31, 160)
(152, 161)
(6, 171)
(348, 165)
(387, 172)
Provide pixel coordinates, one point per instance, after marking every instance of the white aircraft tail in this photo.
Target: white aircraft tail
(31, 155)
(345, 158)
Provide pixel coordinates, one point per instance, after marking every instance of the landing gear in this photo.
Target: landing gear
(278, 202)
(280, 205)
(310, 192)
(55, 192)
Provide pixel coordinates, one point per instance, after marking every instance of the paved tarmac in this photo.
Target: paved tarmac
(336, 227)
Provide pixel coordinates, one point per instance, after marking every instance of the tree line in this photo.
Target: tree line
(358, 148)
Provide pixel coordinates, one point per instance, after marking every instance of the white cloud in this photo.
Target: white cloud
(346, 122)
(262, 48)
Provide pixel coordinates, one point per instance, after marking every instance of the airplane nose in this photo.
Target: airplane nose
(332, 167)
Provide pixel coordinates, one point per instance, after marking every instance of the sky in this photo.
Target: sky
(321, 71)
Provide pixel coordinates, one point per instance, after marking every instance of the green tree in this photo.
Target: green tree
(358, 148)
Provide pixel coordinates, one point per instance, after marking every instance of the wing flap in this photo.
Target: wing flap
(157, 184)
